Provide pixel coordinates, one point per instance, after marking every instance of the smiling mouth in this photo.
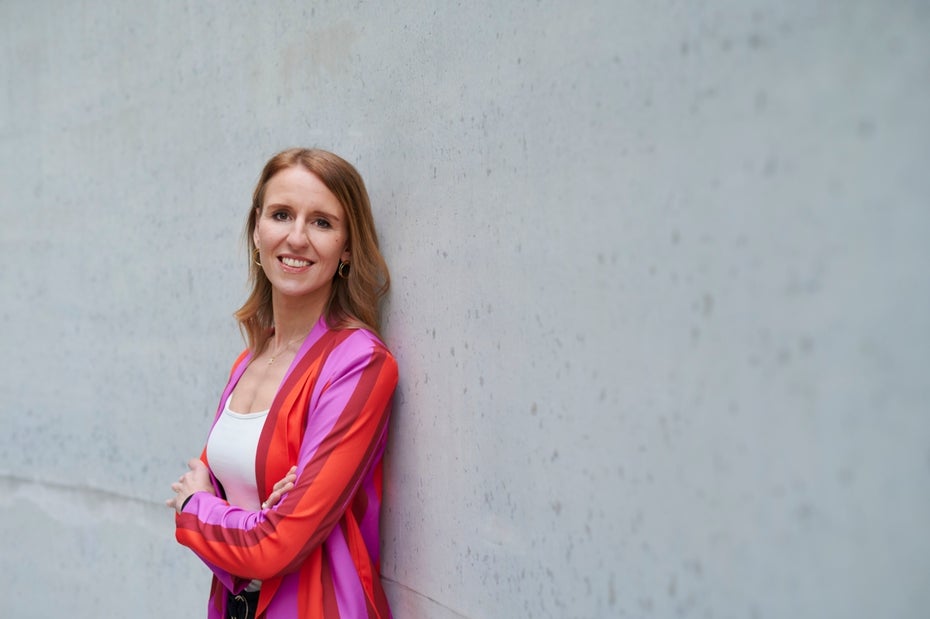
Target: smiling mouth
(294, 262)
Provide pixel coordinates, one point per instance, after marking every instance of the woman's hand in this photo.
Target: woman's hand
(287, 483)
(197, 479)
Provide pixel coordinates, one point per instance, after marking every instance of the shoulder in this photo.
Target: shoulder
(359, 348)
(359, 339)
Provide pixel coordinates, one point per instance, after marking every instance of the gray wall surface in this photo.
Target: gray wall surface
(660, 300)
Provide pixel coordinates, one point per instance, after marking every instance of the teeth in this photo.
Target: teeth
(294, 262)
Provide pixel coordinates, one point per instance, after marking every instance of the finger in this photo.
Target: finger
(277, 494)
(271, 501)
(290, 477)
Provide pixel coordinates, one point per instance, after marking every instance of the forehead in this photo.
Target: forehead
(297, 187)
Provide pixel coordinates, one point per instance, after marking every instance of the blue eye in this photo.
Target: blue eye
(322, 223)
(279, 216)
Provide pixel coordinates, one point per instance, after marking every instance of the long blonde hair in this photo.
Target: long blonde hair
(354, 300)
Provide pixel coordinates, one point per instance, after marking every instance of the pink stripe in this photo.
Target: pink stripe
(229, 516)
(370, 523)
(349, 593)
(284, 603)
(338, 396)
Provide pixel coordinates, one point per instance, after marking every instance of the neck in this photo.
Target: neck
(295, 317)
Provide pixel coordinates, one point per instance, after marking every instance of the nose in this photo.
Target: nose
(297, 236)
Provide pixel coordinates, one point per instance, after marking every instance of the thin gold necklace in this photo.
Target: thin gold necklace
(286, 347)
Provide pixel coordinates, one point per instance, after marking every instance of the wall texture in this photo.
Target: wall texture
(660, 295)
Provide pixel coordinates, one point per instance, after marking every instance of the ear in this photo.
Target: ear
(255, 230)
(346, 255)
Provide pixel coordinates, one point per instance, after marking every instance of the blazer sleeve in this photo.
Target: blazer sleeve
(343, 437)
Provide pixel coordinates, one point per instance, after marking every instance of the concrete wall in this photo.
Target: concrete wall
(660, 294)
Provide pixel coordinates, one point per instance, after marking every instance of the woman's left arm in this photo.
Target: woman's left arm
(344, 435)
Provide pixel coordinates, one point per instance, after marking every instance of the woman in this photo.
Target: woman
(283, 503)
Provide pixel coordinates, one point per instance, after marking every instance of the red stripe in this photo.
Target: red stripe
(360, 397)
(330, 604)
(301, 381)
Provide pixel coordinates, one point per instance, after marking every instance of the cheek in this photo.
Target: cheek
(336, 244)
(266, 236)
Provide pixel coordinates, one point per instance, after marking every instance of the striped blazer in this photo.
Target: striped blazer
(316, 551)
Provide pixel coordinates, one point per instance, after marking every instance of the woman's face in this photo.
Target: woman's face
(301, 233)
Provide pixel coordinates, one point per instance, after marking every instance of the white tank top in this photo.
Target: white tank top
(231, 450)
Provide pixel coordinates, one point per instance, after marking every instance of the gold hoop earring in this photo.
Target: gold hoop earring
(343, 270)
(255, 258)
